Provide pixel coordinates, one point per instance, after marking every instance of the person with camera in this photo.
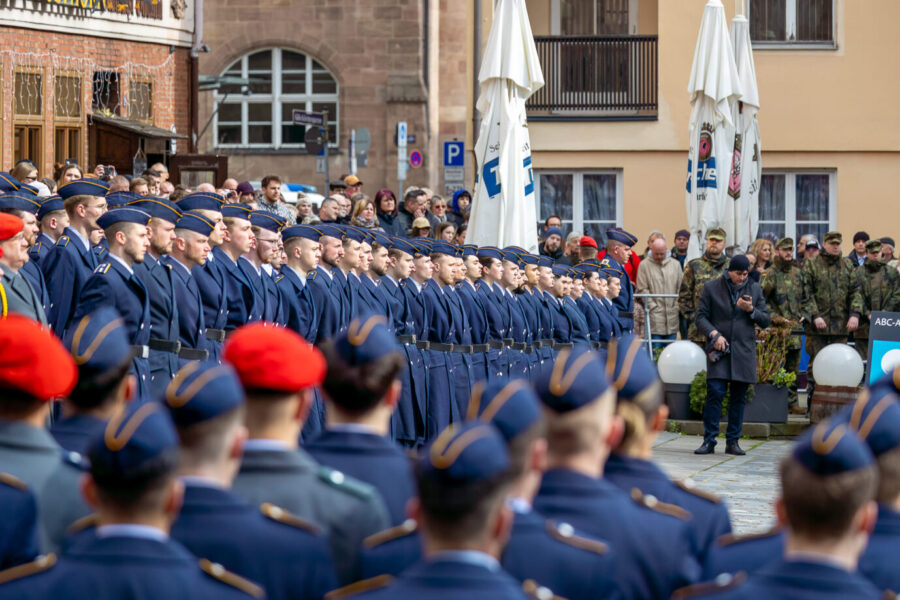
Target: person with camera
(729, 309)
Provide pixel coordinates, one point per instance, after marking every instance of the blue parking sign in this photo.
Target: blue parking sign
(454, 154)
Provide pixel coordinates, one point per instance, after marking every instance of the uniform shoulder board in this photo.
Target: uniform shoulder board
(13, 481)
(565, 533)
(366, 585)
(407, 527)
(37, 248)
(730, 538)
(654, 504)
(338, 480)
(690, 487)
(605, 262)
(103, 268)
(101, 250)
(278, 514)
(85, 522)
(39, 565)
(722, 583)
(311, 274)
(533, 589)
(220, 573)
(279, 278)
(63, 241)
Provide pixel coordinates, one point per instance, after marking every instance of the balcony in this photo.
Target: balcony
(597, 77)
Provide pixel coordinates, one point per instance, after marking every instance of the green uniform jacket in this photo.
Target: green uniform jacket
(782, 288)
(872, 287)
(826, 292)
(696, 274)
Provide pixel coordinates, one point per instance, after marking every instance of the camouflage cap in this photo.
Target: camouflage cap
(873, 246)
(834, 236)
(716, 233)
(785, 244)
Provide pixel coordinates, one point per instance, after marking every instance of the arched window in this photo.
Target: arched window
(259, 115)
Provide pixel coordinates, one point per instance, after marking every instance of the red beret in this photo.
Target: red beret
(587, 241)
(10, 225)
(273, 358)
(33, 361)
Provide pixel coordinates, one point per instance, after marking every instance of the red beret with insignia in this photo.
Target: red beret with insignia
(33, 361)
(273, 358)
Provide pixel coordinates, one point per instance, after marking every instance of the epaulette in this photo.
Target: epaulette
(63, 241)
(37, 248)
(279, 278)
(722, 583)
(83, 523)
(168, 266)
(731, 538)
(565, 533)
(311, 275)
(533, 589)
(654, 504)
(38, 565)
(13, 481)
(278, 514)
(103, 268)
(220, 573)
(407, 527)
(340, 481)
(690, 487)
(101, 251)
(366, 585)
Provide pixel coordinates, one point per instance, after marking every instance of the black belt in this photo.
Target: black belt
(165, 345)
(528, 349)
(406, 339)
(439, 347)
(141, 351)
(480, 347)
(423, 344)
(216, 335)
(626, 314)
(546, 342)
(495, 344)
(508, 342)
(462, 348)
(519, 346)
(599, 345)
(537, 344)
(193, 354)
(561, 345)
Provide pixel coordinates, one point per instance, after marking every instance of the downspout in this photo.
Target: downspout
(476, 68)
(195, 72)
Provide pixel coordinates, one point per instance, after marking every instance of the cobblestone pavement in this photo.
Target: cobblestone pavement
(749, 484)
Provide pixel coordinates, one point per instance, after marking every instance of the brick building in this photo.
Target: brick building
(369, 63)
(100, 84)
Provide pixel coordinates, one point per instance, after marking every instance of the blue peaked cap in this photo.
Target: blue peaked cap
(202, 391)
(510, 405)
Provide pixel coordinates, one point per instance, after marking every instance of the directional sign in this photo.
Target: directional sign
(401, 134)
(363, 141)
(415, 159)
(301, 117)
(454, 154)
(315, 140)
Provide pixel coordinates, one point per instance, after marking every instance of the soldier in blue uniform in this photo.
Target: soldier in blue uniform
(618, 251)
(487, 288)
(16, 293)
(26, 208)
(278, 370)
(580, 332)
(326, 291)
(8, 183)
(543, 299)
(563, 327)
(362, 388)
(158, 280)
(613, 289)
(518, 325)
(286, 555)
(476, 308)
(651, 539)
(531, 307)
(69, 264)
(598, 330)
(301, 245)
(18, 523)
(244, 305)
(462, 480)
(53, 221)
(266, 229)
(134, 488)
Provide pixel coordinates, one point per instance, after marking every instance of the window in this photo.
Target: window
(792, 204)
(260, 114)
(588, 202)
(792, 22)
(29, 93)
(27, 143)
(105, 97)
(67, 99)
(28, 108)
(140, 100)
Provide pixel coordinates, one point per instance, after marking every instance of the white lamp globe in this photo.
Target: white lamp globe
(838, 365)
(680, 361)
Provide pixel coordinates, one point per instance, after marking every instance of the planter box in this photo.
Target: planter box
(770, 404)
(678, 399)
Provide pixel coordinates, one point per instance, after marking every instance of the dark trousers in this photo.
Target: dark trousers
(712, 410)
(792, 365)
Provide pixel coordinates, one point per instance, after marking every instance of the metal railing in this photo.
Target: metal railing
(597, 73)
(648, 335)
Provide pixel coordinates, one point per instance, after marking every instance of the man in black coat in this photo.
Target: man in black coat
(729, 308)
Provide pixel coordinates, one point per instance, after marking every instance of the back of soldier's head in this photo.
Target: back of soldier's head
(826, 480)
(99, 344)
(875, 416)
(639, 392)
(462, 478)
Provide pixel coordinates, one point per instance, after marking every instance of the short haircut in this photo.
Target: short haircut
(205, 442)
(328, 200)
(888, 477)
(138, 181)
(520, 448)
(823, 507)
(587, 252)
(124, 226)
(269, 179)
(547, 220)
(14, 211)
(436, 256)
(72, 202)
(150, 173)
(576, 431)
(610, 244)
(358, 389)
(139, 490)
(17, 404)
(413, 194)
(486, 261)
(94, 391)
(575, 236)
(396, 253)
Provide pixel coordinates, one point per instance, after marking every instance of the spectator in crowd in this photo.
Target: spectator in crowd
(420, 228)
(573, 248)
(552, 244)
(336, 186)
(812, 248)
(659, 273)
(386, 211)
(461, 234)
(42, 190)
(230, 185)
(364, 215)
(763, 250)
(354, 185)
(67, 173)
(887, 249)
(552, 221)
(653, 236)
(754, 274)
(178, 192)
(166, 188)
(679, 250)
(304, 207)
(858, 255)
(119, 183)
(438, 212)
(459, 207)
(345, 207)
(271, 200)
(153, 181)
(245, 192)
(25, 171)
(50, 183)
(329, 212)
(413, 208)
(163, 172)
(139, 186)
(206, 187)
(445, 231)
(587, 248)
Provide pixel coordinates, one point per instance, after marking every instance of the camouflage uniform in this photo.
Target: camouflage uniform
(872, 287)
(696, 274)
(782, 288)
(826, 294)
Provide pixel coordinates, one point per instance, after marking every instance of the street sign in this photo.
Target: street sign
(401, 134)
(884, 344)
(301, 117)
(415, 159)
(454, 174)
(320, 164)
(315, 140)
(363, 141)
(402, 168)
(450, 187)
(454, 154)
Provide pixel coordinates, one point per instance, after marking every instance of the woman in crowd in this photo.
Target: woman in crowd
(763, 250)
(438, 209)
(446, 231)
(461, 234)
(420, 228)
(67, 173)
(25, 171)
(364, 215)
(386, 212)
(459, 207)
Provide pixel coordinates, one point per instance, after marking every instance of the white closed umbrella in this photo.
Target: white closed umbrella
(742, 210)
(714, 87)
(503, 209)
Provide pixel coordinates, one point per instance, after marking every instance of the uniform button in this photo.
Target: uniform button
(337, 477)
(566, 530)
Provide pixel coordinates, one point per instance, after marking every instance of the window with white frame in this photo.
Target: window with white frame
(589, 202)
(794, 203)
(791, 22)
(261, 114)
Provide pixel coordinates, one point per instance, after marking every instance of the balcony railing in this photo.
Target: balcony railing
(601, 74)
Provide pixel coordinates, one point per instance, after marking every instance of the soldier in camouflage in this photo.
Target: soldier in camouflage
(697, 272)
(872, 287)
(781, 286)
(826, 298)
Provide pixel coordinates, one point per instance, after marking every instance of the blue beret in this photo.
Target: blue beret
(831, 448)
(301, 231)
(510, 405)
(83, 187)
(576, 379)
(561, 270)
(367, 339)
(629, 366)
(267, 220)
(380, 239)
(464, 453)
(545, 261)
(202, 201)
(98, 342)
(490, 252)
(136, 437)
(115, 199)
(195, 222)
(28, 189)
(442, 247)
(553, 231)
(50, 204)
(8, 183)
(201, 391)
(875, 417)
(620, 235)
(403, 245)
(123, 215)
(158, 208)
(20, 201)
(469, 250)
(237, 211)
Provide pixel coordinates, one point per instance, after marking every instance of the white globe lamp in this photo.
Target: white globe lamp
(680, 361)
(838, 365)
